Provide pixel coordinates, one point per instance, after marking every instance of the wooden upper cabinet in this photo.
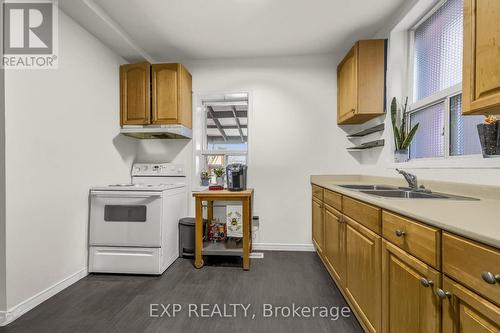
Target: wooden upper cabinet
(481, 64)
(155, 94)
(172, 98)
(466, 312)
(347, 83)
(135, 95)
(361, 82)
(409, 303)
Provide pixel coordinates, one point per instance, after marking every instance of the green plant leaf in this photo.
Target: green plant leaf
(403, 119)
(397, 138)
(407, 140)
(394, 111)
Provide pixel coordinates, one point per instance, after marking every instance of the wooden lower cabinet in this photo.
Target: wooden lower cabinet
(334, 248)
(466, 312)
(409, 303)
(393, 285)
(317, 225)
(363, 273)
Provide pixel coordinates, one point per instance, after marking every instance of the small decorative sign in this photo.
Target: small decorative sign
(234, 221)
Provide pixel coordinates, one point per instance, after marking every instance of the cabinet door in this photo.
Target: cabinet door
(317, 225)
(363, 273)
(165, 93)
(334, 242)
(481, 64)
(409, 303)
(347, 86)
(135, 94)
(466, 312)
(185, 111)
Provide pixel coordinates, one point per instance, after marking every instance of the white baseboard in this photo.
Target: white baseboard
(282, 247)
(18, 310)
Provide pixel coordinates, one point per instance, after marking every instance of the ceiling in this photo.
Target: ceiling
(172, 30)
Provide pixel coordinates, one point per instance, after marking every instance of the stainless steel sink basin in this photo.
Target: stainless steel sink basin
(369, 187)
(388, 191)
(405, 194)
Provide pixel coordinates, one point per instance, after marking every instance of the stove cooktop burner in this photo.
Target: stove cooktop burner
(140, 185)
(124, 185)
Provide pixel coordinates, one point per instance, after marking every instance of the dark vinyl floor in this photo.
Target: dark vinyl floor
(122, 303)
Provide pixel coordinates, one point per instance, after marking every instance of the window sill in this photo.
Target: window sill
(458, 162)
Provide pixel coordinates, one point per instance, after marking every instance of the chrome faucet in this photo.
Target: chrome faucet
(410, 178)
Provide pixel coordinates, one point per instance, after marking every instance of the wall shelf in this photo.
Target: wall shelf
(367, 145)
(374, 129)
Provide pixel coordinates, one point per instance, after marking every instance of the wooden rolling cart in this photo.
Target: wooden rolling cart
(208, 248)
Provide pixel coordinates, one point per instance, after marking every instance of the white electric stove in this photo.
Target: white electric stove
(134, 227)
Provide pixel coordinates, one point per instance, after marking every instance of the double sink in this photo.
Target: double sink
(388, 191)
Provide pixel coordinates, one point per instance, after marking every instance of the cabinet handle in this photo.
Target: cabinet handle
(490, 278)
(399, 233)
(353, 110)
(442, 294)
(426, 283)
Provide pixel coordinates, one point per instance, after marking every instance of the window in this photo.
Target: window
(436, 58)
(438, 50)
(225, 130)
(429, 139)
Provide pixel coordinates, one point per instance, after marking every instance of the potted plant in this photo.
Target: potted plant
(205, 177)
(489, 136)
(219, 176)
(402, 137)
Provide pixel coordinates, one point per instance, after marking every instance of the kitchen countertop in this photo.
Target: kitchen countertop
(477, 220)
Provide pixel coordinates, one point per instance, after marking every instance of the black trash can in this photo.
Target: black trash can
(187, 236)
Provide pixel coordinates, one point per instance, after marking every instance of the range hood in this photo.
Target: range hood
(157, 131)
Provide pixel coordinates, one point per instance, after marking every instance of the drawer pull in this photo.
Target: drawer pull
(426, 283)
(400, 233)
(442, 294)
(490, 278)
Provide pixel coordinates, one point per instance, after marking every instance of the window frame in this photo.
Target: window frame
(205, 151)
(200, 150)
(436, 98)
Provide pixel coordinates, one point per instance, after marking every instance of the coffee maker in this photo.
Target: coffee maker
(236, 177)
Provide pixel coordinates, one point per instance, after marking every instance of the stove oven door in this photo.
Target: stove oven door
(125, 218)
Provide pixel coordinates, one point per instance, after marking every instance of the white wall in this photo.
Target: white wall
(3, 304)
(292, 134)
(61, 138)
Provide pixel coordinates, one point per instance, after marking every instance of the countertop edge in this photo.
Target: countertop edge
(478, 237)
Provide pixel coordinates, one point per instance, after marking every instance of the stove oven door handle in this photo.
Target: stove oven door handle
(124, 195)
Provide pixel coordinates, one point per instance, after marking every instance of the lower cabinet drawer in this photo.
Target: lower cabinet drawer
(317, 192)
(366, 214)
(332, 199)
(421, 241)
(124, 260)
(472, 264)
